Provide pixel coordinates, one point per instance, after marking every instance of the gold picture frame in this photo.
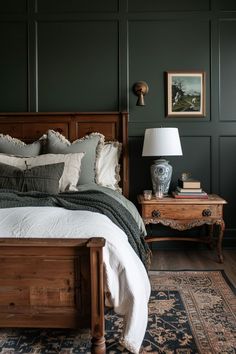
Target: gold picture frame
(186, 93)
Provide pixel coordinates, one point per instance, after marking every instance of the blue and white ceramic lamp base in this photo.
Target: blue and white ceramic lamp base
(161, 173)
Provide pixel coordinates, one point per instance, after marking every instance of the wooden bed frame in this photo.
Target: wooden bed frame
(58, 283)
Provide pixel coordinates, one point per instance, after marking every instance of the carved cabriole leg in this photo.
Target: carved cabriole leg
(221, 225)
(97, 296)
(210, 228)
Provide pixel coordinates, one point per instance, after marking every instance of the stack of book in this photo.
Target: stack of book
(189, 188)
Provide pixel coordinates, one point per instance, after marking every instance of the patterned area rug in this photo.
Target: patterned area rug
(190, 312)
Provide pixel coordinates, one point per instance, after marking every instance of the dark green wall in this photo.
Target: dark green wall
(60, 55)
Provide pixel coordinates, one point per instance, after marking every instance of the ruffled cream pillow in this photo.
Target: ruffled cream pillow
(108, 168)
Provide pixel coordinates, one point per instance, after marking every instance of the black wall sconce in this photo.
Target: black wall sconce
(140, 89)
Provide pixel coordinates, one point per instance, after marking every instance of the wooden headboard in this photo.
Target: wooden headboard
(28, 127)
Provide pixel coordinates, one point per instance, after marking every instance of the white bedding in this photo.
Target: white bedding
(126, 277)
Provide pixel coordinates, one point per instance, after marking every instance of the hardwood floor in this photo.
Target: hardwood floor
(194, 259)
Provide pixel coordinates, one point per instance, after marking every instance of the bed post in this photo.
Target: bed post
(97, 296)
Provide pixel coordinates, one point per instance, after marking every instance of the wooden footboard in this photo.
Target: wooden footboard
(53, 283)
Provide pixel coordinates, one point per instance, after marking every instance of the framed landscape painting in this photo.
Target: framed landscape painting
(186, 94)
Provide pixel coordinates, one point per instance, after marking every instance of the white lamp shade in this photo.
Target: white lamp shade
(162, 142)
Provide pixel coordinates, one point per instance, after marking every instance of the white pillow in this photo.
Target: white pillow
(107, 166)
(71, 172)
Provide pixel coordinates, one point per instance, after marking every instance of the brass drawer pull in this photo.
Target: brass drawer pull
(156, 213)
(206, 212)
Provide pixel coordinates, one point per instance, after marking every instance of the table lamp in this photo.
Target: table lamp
(161, 142)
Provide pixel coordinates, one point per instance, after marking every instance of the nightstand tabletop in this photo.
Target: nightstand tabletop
(212, 199)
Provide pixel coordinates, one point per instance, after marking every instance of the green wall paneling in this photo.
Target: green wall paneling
(227, 46)
(13, 7)
(168, 5)
(13, 66)
(151, 55)
(76, 6)
(227, 173)
(78, 66)
(226, 5)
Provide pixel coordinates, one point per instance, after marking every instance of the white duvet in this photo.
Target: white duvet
(126, 277)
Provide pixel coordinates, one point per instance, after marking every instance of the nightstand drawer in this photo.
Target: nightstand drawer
(184, 212)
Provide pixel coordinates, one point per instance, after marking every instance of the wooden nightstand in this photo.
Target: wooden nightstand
(184, 214)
